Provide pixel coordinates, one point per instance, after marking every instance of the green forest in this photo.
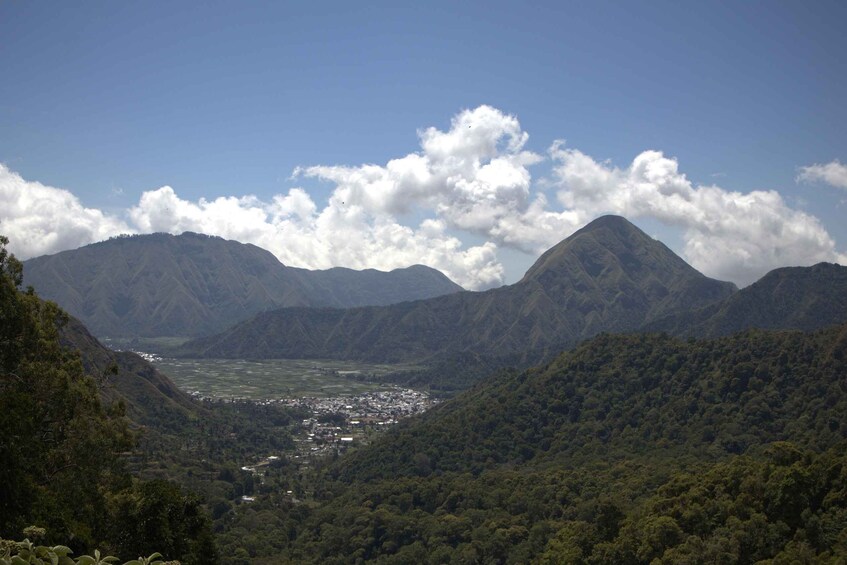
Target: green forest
(640, 448)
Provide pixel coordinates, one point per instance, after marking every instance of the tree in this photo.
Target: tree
(58, 445)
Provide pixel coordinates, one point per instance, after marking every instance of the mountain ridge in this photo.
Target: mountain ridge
(608, 276)
(194, 284)
(798, 298)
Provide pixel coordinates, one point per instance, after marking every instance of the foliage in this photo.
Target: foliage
(788, 506)
(60, 448)
(54, 429)
(626, 450)
(620, 396)
(26, 553)
(158, 514)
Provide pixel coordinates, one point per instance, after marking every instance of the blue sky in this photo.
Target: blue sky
(104, 102)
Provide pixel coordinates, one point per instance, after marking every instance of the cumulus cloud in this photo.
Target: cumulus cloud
(292, 227)
(41, 219)
(473, 178)
(729, 235)
(832, 173)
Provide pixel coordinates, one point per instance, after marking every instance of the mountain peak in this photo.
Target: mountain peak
(608, 239)
(608, 276)
(611, 260)
(609, 221)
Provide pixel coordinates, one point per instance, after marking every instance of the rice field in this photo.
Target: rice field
(272, 378)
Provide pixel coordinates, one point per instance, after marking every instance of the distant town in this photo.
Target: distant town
(336, 424)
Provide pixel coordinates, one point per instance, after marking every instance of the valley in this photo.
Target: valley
(342, 405)
(274, 379)
(574, 417)
(423, 283)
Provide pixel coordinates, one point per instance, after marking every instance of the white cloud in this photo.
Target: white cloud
(473, 178)
(728, 235)
(832, 173)
(342, 234)
(40, 219)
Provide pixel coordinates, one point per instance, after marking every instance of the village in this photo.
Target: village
(338, 423)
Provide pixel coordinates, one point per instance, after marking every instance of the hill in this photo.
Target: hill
(622, 395)
(608, 276)
(63, 449)
(152, 399)
(192, 284)
(628, 449)
(800, 298)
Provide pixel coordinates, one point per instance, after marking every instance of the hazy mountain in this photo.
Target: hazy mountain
(192, 284)
(608, 276)
(801, 298)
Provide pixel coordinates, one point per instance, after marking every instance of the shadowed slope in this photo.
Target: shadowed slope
(799, 298)
(609, 276)
(151, 398)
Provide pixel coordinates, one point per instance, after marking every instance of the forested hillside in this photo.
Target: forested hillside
(60, 454)
(622, 395)
(628, 449)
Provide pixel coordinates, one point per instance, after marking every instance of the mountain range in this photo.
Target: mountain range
(607, 277)
(192, 284)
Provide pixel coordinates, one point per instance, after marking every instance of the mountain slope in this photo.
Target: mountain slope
(608, 276)
(151, 398)
(627, 395)
(629, 449)
(801, 298)
(191, 284)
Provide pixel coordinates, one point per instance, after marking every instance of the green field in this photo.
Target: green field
(149, 344)
(272, 378)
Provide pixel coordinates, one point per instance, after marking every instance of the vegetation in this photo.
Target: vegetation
(264, 379)
(800, 298)
(619, 396)
(60, 465)
(786, 505)
(628, 449)
(26, 552)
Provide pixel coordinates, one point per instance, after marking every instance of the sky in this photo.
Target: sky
(469, 136)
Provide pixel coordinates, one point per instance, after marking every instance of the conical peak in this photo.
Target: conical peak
(615, 234)
(610, 221)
